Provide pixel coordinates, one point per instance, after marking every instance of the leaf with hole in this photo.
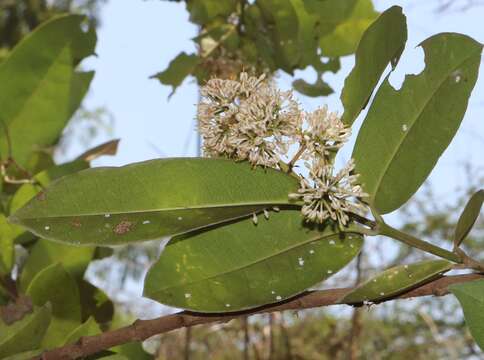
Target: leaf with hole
(471, 298)
(468, 217)
(151, 200)
(382, 43)
(243, 265)
(407, 130)
(396, 280)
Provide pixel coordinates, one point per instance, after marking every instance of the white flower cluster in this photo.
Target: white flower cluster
(247, 120)
(251, 120)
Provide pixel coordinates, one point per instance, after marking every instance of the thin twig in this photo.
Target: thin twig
(141, 330)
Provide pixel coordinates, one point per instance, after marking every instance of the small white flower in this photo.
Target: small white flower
(330, 196)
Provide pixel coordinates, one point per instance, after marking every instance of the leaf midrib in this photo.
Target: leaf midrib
(161, 210)
(260, 260)
(419, 114)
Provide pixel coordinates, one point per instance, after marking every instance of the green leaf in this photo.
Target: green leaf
(407, 130)
(330, 13)
(344, 39)
(468, 217)
(88, 328)
(43, 254)
(56, 286)
(382, 43)
(95, 303)
(397, 280)
(471, 298)
(7, 248)
(243, 265)
(43, 179)
(132, 350)
(150, 200)
(319, 88)
(204, 11)
(26, 334)
(39, 89)
(178, 69)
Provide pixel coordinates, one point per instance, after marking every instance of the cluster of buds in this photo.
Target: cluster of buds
(250, 119)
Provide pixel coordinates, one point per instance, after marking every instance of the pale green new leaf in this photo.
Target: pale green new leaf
(471, 298)
(151, 200)
(344, 39)
(468, 217)
(407, 130)
(243, 265)
(396, 280)
(26, 334)
(382, 43)
(39, 89)
(56, 286)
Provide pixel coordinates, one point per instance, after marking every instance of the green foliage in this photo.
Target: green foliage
(179, 68)
(65, 301)
(406, 131)
(471, 297)
(143, 202)
(270, 35)
(381, 44)
(397, 280)
(344, 38)
(244, 265)
(26, 334)
(88, 328)
(38, 83)
(468, 217)
(7, 236)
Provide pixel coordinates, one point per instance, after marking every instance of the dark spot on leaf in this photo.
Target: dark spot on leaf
(76, 222)
(41, 196)
(123, 227)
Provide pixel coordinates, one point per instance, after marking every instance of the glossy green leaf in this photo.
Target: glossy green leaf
(344, 39)
(43, 179)
(397, 280)
(57, 287)
(26, 334)
(150, 200)
(471, 298)
(43, 254)
(382, 43)
(178, 69)
(242, 265)
(468, 217)
(407, 130)
(88, 328)
(39, 89)
(7, 247)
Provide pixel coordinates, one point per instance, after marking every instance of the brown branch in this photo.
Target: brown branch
(143, 329)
